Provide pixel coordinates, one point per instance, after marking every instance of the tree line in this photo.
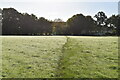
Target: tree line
(16, 23)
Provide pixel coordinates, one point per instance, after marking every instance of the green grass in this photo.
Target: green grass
(90, 57)
(61, 57)
(0, 57)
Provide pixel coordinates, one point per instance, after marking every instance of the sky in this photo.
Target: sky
(64, 9)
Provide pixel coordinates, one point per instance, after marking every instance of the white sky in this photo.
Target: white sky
(59, 0)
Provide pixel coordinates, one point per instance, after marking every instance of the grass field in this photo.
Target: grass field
(0, 57)
(60, 57)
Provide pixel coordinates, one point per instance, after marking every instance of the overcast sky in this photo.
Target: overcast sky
(63, 9)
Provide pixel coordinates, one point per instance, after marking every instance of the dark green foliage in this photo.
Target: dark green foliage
(80, 25)
(15, 23)
(114, 24)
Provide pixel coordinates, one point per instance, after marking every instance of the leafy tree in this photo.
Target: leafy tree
(59, 27)
(113, 24)
(58, 20)
(45, 26)
(0, 21)
(90, 25)
(10, 21)
(101, 22)
(101, 18)
(15, 23)
(80, 25)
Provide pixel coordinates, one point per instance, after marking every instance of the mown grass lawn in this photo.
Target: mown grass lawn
(32, 57)
(90, 57)
(60, 57)
(0, 57)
